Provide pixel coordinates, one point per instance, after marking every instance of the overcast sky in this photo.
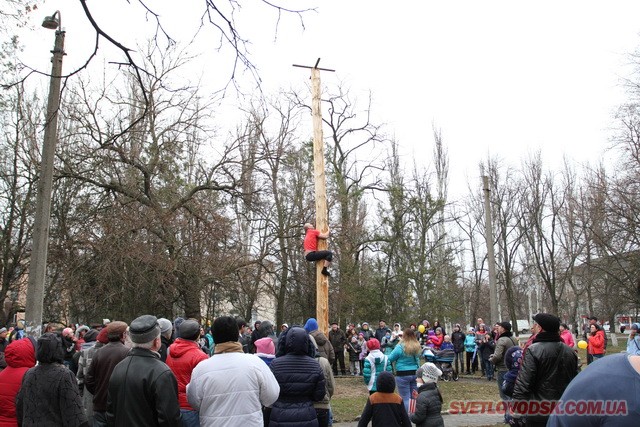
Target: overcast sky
(500, 78)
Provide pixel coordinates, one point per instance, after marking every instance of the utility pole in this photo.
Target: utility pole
(491, 259)
(322, 220)
(38, 263)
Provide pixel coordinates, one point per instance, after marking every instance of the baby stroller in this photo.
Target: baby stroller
(443, 359)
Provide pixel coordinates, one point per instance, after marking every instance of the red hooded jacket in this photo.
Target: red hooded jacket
(183, 356)
(20, 356)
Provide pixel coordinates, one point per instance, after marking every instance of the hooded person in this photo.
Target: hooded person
(20, 356)
(301, 381)
(633, 342)
(324, 345)
(375, 363)
(182, 358)
(429, 401)
(49, 394)
(166, 332)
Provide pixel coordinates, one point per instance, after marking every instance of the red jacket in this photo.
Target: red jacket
(437, 340)
(183, 356)
(596, 343)
(20, 356)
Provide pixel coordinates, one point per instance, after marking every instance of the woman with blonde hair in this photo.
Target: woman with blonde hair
(406, 355)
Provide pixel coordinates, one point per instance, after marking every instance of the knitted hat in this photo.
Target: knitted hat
(103, 336)
(3, 330)
(548, 322)
(311, 325)
(429, 373)
(513, 357)
(144, 329)
(373, 344)
(190, 330)
(265, 346)
(505, 325)
(67, 332)
(165, 325)
(385, 383)
(91, 335)
(635, 326)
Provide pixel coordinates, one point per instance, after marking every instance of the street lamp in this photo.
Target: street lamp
(38, 264)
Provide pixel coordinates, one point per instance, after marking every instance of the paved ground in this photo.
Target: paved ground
(454, 421)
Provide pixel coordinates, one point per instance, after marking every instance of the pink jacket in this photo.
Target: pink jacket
(567, 338)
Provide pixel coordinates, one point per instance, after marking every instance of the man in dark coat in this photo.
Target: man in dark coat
(102, 364)
(338, 340)
(142, 390)
(49, 395)
(301, 381)
(548, 367)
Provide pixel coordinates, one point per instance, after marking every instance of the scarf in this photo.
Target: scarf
(228, 347)
(545, 336)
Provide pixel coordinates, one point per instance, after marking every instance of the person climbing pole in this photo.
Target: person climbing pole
(311, 252)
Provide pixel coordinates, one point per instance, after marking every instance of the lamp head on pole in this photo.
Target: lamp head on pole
(52, 22)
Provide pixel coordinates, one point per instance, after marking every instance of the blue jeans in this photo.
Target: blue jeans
(488, 369)
(406, 386)
(190, 418)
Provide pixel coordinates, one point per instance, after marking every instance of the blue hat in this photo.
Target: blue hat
(311, 325)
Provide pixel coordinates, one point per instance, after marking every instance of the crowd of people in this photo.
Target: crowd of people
(232, 374)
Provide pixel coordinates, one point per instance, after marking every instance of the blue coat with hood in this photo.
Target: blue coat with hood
(300, 378)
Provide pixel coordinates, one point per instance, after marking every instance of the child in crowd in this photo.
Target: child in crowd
(375, 363)
(386, 345)
(363, 351)
(429, 401)
(486, 348)
(446, 344)
(512, 360)
(354, 349)
(470, 349)
(265, 349)
(385, 408)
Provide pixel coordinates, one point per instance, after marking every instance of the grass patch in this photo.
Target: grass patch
(351, 394)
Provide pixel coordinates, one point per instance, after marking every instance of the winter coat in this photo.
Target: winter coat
(142, 374)
(428, 407)
(437, 341)
(381, 332)
(329, 381)
(470, 343)
(546, 370)
(20, 355)
(457, 338)
(100, 370)
(404, 362)
(364, 350)
(354, 349)
(487, 349)
(337, 339)
(374, 363)
(86, 353)
(183, 357)
(596, 343)
(49, 395)
(505, 342)
(217, 382)
(384, 410)
(301, 383)
(324, 346)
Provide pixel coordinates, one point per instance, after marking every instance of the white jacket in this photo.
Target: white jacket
(229, 390)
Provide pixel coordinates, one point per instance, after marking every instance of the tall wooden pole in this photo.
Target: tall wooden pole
(322, 221)
(491, 259)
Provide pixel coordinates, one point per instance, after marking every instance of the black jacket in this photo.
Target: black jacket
(143, 392)
(428, 407)
(337, 339)
(548, 367)
(301, 382)
(457, 338)
(102, 365)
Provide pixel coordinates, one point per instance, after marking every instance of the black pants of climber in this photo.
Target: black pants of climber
(319, 255)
